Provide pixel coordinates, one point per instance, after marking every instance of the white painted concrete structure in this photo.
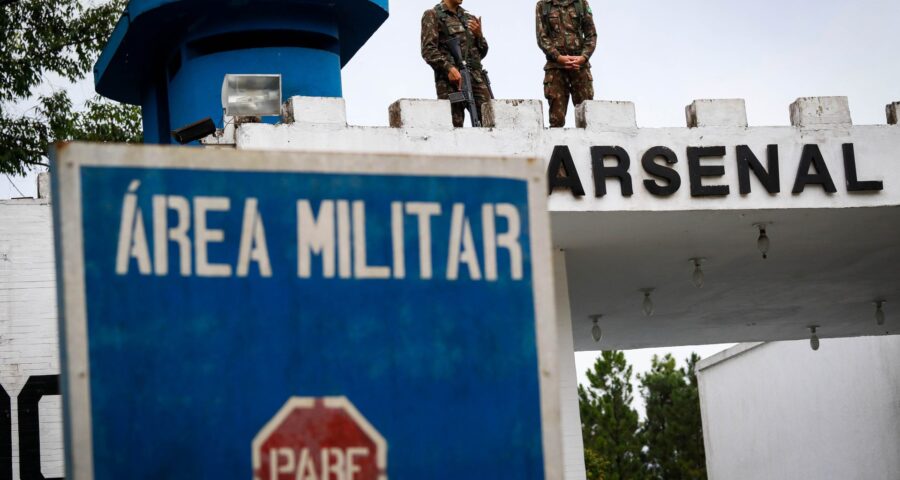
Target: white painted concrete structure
(29, 345)
(831, 253)
(780, 411)
(572, 443)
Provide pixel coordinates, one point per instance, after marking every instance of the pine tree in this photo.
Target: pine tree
(672, 431)
(609, 424)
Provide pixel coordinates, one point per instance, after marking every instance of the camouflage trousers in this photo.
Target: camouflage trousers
(559, 84)
(445, 88)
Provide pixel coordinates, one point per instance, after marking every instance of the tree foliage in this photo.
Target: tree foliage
(609, 425)
(595, 466)
(673, 431)
(667, 445)
(41, 39)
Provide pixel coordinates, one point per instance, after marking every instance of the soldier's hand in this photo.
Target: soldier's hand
(569, 62)
(475, 26)
(454, 77)
(575, 62)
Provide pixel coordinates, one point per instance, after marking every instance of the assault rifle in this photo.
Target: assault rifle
(465, 94)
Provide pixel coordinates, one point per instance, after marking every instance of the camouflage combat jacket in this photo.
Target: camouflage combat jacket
(437, 24)
(565, 28)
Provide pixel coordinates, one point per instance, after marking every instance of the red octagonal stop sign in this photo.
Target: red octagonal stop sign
(319, 439)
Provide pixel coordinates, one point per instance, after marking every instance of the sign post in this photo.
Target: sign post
(241, 314)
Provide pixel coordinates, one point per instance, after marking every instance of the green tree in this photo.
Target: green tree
(672, 431)
(609, 425)
(595, 466)
(41, 38)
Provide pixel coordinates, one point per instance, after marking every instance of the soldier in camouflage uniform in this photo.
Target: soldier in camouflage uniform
(447, 19)
(568, 37)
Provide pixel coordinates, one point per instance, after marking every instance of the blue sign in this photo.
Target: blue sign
(202, 290)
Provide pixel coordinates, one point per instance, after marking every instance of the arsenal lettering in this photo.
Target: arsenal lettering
(704, 166)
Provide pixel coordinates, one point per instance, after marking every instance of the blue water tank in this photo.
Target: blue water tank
(171, 56)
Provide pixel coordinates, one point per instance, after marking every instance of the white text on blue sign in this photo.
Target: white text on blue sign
(331, 239)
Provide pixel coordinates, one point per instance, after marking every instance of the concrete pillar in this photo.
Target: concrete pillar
(573, 446)
(315, 111)
(820, 111)
(43, 185)
(604, 115)
(513, 114)
(716, 113)
(418, 113)
(893, 113)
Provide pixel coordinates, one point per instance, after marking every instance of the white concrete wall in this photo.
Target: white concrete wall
(28, 328)
(514, 127)
(422, 127)
(779, 410)
(573, 445)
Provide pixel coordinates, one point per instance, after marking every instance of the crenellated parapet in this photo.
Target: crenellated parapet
(631, 206)
(608, 162)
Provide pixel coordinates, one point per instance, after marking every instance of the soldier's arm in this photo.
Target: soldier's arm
(543, 38)
(590, 32)
(482, 44)
(431, 51)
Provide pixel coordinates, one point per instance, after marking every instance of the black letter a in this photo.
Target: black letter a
(562, 173)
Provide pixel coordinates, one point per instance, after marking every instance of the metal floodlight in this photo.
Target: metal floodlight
(194, 131)
(251, 95)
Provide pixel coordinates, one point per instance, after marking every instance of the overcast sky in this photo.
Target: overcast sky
(662, 54)
(659, 54)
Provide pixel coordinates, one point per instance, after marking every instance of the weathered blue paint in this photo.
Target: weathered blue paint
(185, 370)
(170, 56)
